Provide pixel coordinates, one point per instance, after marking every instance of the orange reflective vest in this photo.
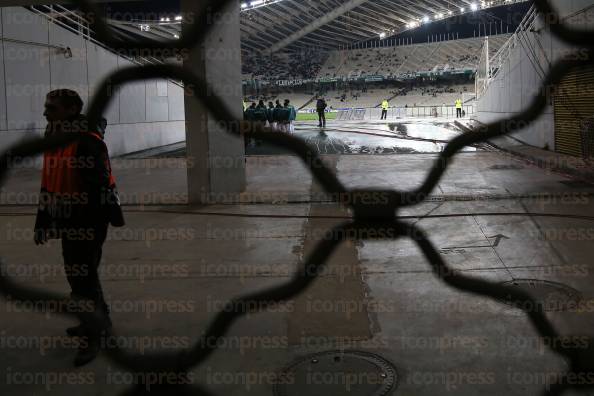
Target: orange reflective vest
(61, 174)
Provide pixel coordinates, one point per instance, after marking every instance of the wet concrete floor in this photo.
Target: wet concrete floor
(170, 270)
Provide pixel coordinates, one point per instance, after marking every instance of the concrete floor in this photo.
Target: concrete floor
(166, 275)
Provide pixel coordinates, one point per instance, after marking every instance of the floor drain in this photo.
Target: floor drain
(576, 184)
(551, 296)
(336, 373)
(506, 167)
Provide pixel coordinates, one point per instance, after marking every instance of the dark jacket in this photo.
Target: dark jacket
(321, 105)
(78, 190)
(270, 114)
(277, 114)
(260, 114)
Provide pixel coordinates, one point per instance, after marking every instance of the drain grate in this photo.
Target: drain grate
(506, 167)
(336, 373)
(576, 184)
(550, 296)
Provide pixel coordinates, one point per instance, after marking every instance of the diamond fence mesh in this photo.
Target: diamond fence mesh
(366, 216)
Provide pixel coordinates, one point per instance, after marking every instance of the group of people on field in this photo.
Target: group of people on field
(277, 116)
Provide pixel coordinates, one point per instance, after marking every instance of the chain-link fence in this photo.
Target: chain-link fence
(365, 216)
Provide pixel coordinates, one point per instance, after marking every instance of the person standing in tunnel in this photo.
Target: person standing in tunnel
(78, 201)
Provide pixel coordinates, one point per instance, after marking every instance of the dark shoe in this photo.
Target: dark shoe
(87, 353)
(76, 331)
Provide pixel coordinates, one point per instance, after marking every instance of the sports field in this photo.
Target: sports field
(314, 116)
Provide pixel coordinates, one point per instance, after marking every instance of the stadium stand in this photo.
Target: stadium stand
(391, 63)
(283, 66)
(426, 95)
(394, 62)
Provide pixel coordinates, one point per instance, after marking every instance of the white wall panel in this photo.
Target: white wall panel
(176, 102)
(514, 82)
(133, 102)
(2, 84)
(507, 90)
(21, 24)
(101, 63)
(68, 72)
(126, 138)
(157, 102)
(27, 83)
(132, 98)
(30, 75)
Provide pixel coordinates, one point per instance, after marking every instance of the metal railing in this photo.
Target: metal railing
(420, 112)
(77, 24)
(374, 113)
(382, 214)
(496, 62)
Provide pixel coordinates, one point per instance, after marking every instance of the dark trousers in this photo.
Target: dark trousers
(384, 114)
(322, 117)
(458, 113)
(82, 250)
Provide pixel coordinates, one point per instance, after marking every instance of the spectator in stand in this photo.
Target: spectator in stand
(321, 109)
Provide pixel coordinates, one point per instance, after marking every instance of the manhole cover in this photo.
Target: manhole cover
(336, 373)
(506, 167)
(551, 296)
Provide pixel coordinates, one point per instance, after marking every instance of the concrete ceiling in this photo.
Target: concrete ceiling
(298, 24)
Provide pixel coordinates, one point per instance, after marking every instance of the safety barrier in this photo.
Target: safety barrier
(420, 112)
(373, 113)
(366, 215)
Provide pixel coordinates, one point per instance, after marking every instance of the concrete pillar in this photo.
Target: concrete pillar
(216, 159)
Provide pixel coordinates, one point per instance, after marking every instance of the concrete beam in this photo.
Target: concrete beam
(318, 23)
(216, 159)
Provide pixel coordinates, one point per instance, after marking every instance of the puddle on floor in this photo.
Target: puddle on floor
(360, 138)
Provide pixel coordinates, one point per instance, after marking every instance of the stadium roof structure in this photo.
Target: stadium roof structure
(274, 25)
